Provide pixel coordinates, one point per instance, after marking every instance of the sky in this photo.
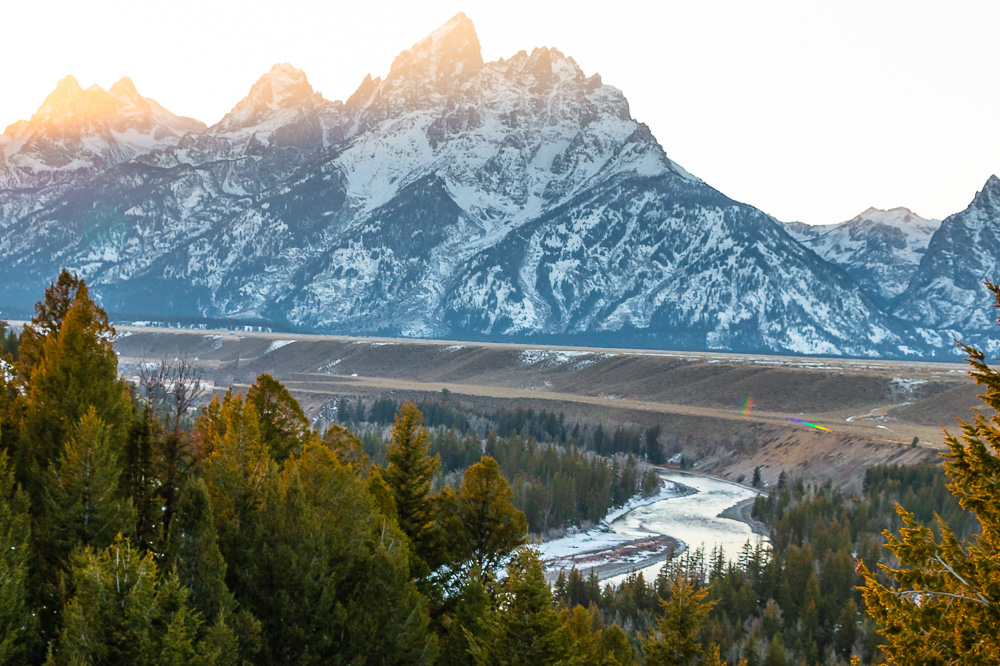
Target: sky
(809, 111)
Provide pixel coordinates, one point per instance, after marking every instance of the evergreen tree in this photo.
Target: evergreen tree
(346, 446)
(676, 640)
(138, 482)
(526, 628)
(776, 655)
(47, 321)
(466, 623)
(9, 342)
(329, 578)
(283, 424)
(583, 629)
(409, 474)
(615, 647)
(122, 611)
(942, 603)
(235, 474)
(83, 503)
(18, 624)
(76, 369)
(490, 525)
(343, 411)
(193, 556)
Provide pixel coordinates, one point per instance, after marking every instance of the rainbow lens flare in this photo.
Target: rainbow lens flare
(806, 423)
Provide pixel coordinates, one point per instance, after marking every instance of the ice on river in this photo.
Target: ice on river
(602, 536)
(690, 518)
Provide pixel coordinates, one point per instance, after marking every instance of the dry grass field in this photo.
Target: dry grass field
(873, 409)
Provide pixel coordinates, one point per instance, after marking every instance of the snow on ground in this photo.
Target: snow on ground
(216, 341)
(452, 348)
(907, 385)
(329, 366)
(533, 356)
(278, 344)
(601, 537)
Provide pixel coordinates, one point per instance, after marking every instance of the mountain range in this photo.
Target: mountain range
(456, 198)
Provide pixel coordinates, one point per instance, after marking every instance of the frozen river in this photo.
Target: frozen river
(692, 519)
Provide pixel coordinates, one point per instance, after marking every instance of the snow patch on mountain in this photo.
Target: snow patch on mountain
(881, 249)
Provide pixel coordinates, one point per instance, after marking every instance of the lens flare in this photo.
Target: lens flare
(806, 423)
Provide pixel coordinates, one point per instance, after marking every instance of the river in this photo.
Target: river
(692, 519)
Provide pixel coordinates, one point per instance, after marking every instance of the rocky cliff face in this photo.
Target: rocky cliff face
(947, 291)
(515, 199)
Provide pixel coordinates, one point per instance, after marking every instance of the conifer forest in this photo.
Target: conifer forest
(149, 524)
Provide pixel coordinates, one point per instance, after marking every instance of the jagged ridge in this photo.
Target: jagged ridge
(512, 199)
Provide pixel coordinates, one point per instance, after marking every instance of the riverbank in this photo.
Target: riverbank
(743, 512)
(617, 560)
(702, 511)
(604, 550)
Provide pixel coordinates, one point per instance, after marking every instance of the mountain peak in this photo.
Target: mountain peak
(68, 85)
(124, 88)
(899, 216)
(989, 196)
(452, 51)
(69, 108)
(992, 184)
(282, 86)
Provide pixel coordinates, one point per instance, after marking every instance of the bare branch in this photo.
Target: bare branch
(928, 593)
(964, 582)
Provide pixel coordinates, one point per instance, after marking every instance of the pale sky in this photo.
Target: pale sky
(809, 111)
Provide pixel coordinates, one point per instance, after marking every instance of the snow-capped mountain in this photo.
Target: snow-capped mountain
(77, 132)
(515, 199)
(880, 249)
(947, 291)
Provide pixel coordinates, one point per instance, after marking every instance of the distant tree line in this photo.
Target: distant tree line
(541, 425)
(555, 482)
(9, 341)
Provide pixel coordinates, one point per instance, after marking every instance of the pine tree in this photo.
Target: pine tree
(47, 321)
(12, 407)
(235, 474)
(526, 628)
(137, 481)
(18, 624)
(683, 614)
(409, 472)
(465, 623)
(490, 526)
(776, 655)
(83, 503)
(942, 601)
(329, 578)
(123, 611)
(283, 424)
(193, 553)
(193, 556)
(615, 648)
(347, 447)
(75, 369)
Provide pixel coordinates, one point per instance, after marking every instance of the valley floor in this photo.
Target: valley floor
(874, 409)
